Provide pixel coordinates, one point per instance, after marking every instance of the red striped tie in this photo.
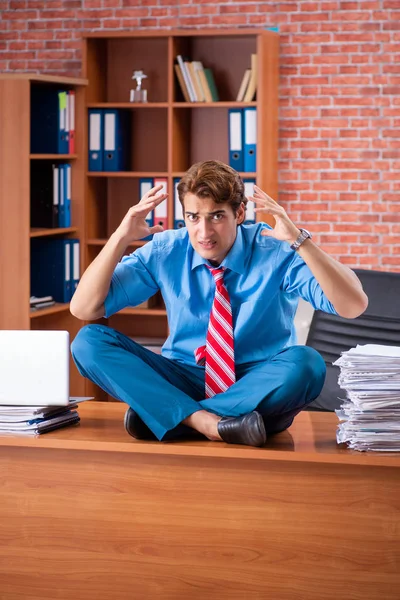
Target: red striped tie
(218, 353)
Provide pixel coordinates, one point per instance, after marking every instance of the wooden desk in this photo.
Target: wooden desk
(89, 513)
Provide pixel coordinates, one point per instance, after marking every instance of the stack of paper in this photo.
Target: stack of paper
(34, 420)
(370, 416)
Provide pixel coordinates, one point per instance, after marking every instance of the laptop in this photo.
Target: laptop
(34, 368)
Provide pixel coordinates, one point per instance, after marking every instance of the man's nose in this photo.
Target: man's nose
(205, 228)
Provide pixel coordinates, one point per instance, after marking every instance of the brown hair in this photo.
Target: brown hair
(213, 179)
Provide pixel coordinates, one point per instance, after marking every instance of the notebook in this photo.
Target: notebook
(34, 368)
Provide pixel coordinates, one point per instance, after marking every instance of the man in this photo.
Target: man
(230, 368)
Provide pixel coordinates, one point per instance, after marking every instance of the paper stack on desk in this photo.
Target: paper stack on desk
(370, 416)
(34, 420)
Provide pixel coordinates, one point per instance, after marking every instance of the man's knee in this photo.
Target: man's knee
(309, 370)
(85, 345)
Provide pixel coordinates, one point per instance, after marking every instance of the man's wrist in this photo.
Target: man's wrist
(302, 237)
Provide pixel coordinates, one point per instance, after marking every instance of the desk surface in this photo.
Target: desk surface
(311, 438)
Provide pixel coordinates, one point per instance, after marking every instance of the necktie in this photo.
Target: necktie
(218, 353)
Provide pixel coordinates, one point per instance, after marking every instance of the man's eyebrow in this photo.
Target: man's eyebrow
(214, 212)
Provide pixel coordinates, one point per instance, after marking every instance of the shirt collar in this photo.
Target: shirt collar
(234, 260)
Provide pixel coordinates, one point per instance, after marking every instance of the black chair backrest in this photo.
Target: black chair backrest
(379, 324)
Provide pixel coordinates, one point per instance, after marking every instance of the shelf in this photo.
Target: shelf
(153, 312)
(125, 174)
(39, 232)
(232, 104)
(128, 105)
(56, 308)
(45, 78)
(53, 156)
(103, 241)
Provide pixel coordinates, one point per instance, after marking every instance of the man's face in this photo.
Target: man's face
(211, 227)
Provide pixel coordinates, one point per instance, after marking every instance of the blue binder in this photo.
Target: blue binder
(250, 139)
(235, 132)
(249, 191)
(63, 123)
(67, 195)
(179, 221)
(51, 269)
(145, 185)
(61, 195)
(75, 264)
(116, 137)
(46, 135)
(95, 122)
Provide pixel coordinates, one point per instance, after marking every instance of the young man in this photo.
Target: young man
(230, 368)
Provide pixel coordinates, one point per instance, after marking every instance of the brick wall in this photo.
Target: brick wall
(339, 98)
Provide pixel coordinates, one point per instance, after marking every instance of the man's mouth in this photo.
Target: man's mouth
(207, 245)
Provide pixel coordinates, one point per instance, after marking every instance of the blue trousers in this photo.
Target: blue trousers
(163, 392)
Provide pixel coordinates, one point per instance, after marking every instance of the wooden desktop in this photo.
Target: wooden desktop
(88, 512)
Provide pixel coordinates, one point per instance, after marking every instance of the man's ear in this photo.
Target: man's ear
(241, 213)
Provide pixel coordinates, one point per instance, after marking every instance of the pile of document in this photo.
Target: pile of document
(34, 420)
(370, 415)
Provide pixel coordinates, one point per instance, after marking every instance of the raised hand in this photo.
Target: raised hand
(284, 230)
(133, 226)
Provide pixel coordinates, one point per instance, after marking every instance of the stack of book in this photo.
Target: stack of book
(43, 302)
(370, 415)
(196, 82)
(35, 420)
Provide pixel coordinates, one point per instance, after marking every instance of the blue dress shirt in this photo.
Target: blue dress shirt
(264, 278)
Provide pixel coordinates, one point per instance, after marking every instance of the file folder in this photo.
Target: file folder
(51, 269)
(179, 221)
(71, 109)
(63, 124)
(145, 185)
(250, 140)
(67, 195)
(95, 139)
(235, 128)
(161, 211)
(75, 264)
(250, 217)
(116, 133)
(61, 196)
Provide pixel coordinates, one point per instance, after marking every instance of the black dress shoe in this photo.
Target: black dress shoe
(136, 427)
(248, 429)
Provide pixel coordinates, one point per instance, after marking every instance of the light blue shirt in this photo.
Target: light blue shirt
(263, 276)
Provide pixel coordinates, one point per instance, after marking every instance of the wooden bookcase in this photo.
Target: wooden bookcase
(168, 134)
(15, 231)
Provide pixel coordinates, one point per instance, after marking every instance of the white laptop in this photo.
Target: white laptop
(34, 368)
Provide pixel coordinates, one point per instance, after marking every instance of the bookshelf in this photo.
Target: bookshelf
(167, 134)
(16, 163)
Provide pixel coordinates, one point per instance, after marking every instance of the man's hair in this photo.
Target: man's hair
(213, 179)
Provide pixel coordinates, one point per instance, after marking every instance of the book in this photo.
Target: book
(252, 86)
(243, 85)
(211, 84)
(182, 83)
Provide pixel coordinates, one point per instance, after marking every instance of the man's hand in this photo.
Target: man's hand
(285, 230)
(133, 226)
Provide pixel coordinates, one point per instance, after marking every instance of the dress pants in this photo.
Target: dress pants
(163, 392)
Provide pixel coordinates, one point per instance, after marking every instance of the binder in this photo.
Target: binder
(179, 221)
(63, 123)
(161, 211)
(145, 185)
(236, 138)
(95, 139)
(75, 264)
(43, 201)
(51, 269)
(116, 131)
(46, 137)
(250, 217)
(61, 196)
(71, 109)
(250, 140)
(67, 195)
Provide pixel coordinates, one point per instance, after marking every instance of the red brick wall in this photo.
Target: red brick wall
(339, 98)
